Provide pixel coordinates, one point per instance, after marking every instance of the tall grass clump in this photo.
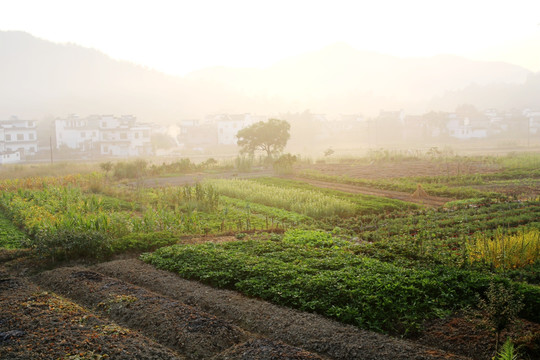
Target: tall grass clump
(505, 251)
(311, 203)
(520, 161)
(243, 163)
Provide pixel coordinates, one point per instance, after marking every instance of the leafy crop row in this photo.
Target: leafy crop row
(309, 272)
(440, 236)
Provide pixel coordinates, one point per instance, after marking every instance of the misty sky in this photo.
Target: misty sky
(181, 36)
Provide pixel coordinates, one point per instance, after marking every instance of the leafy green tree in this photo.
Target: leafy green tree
(270, 136)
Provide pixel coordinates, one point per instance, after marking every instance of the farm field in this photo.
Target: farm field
(324, 263)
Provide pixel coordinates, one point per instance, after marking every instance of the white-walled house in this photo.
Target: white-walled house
(465, 129)
(77, 133)
(123, 136)
(5, 156)
(533, 121)
(229, 125)
(18, 139)
(105, 135)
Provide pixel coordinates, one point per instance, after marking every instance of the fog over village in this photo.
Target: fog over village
(270, 180)
(84, 103)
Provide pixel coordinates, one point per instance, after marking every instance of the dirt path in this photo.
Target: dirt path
(431, 201)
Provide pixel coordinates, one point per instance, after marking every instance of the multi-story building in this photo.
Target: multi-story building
(105, 135)
(533, 123)
(18, 139)
(229, 125)
(5, 156)
(77, 133)
(123, 136)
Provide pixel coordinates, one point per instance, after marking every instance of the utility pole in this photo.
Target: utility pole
(50, 145)
(529, 132)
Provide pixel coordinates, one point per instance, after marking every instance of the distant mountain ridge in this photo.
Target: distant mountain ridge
(39, 78)
(340, 76)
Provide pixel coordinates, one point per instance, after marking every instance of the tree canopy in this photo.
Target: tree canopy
(270, 136)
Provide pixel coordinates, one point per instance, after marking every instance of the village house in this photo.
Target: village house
(533, 121)
(77, 133)
(18, 139)
(229, 125)
(105, 135)
(464, 128)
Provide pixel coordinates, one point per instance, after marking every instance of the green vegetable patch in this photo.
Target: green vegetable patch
(310, 272)
(10, 236)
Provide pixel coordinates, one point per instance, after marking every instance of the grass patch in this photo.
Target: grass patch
(10, 236)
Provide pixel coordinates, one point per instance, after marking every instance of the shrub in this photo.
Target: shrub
(284, 164)
(106, 166)
(64, 244)
(506, 251)
(501, 306)
(309, 238)
(144, 241)
(130, 170)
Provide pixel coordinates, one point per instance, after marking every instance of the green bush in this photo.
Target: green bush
(530, 295)
(284, 164)
(64, 244)
(130, 170)
(143, 241)
(309, 238)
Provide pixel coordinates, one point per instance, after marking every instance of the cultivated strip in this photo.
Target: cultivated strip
(308, 331)
(192, 333)
(39, 325)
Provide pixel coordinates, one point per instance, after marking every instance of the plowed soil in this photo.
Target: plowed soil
(126, 309)
(470, 335)
(305, 330)
(99, 317)
(36, 324)
(402, 168)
